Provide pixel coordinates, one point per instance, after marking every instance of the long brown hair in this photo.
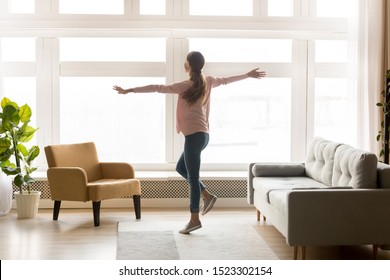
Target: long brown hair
(198, 90)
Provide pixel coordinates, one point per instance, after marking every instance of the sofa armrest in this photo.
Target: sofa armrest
(67, 183)
(284, 169)
(338, 217)
(117, 170)
(250, 190)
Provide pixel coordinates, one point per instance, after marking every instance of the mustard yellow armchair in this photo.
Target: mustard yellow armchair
(75, 174)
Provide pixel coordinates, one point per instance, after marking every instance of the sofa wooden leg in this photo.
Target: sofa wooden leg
(295, 252)
(96, 212)
(303, 252)
(56, 209)
(375, 251)
(137, 206)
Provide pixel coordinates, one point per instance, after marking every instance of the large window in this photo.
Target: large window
(91, 7)
(249, 116)
(17, 69)
(125, 127)
(64, 58)
(221, 7)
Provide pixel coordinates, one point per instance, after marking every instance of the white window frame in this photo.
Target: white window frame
(48, 25)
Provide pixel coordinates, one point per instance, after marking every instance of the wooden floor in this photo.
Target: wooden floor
(73, 236)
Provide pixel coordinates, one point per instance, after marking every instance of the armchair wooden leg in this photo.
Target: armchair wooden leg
(375, 251)
(137, 206)
(56, 209)
(96, 212)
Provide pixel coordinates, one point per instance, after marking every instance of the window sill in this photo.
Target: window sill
(173, 175)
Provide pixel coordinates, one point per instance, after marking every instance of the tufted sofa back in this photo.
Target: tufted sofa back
(340, 165)
(320, 160)
(355, 168)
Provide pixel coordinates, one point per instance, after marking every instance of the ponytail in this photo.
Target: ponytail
(198, 89)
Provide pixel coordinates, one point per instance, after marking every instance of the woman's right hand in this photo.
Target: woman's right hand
(120, 90)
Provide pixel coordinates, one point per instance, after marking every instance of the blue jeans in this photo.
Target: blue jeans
(188, 166)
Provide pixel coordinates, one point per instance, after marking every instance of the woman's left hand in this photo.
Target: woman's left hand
(255, 73)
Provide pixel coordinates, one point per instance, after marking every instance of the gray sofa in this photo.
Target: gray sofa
(339, 196)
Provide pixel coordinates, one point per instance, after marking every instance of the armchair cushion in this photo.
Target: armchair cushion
(83, 155)
(113, 188)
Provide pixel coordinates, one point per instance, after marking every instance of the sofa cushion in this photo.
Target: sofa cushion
(278, 200)
(354, 167)
(320, 160)
(264, 185)
(285, 169)
(383, 177)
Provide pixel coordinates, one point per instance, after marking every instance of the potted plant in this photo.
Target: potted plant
(15, 158)
(384, 134)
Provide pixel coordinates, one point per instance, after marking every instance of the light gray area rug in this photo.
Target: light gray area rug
(139, 240)
(146, 245)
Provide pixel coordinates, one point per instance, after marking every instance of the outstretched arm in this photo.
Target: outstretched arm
(255, 73)
(172, 88)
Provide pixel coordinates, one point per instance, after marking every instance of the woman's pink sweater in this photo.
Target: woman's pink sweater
(191, 118)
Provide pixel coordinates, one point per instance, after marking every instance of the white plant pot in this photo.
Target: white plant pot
(5, 194)
(27, 204)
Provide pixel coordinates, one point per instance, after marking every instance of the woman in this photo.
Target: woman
(192, 114)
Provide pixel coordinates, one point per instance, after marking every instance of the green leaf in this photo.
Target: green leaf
(21, 148)
(5, 144)
(11, 170)
(379, 104)
(30, 170)
(27, 134)
(4, 102)
(19, 180)
(10, 117)
(25, 113)
(32, 154)
(28, 180)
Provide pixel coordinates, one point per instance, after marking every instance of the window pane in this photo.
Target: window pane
(21, 6)
(331, 51)
(112, 49)
(280, 8)
(24, 92)
(250, 121)
(336, 8)
(17, 49)
(243, 50)
(334, 110)
(127, 128)
(221, 7)
(91, 7)
(152, 7)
